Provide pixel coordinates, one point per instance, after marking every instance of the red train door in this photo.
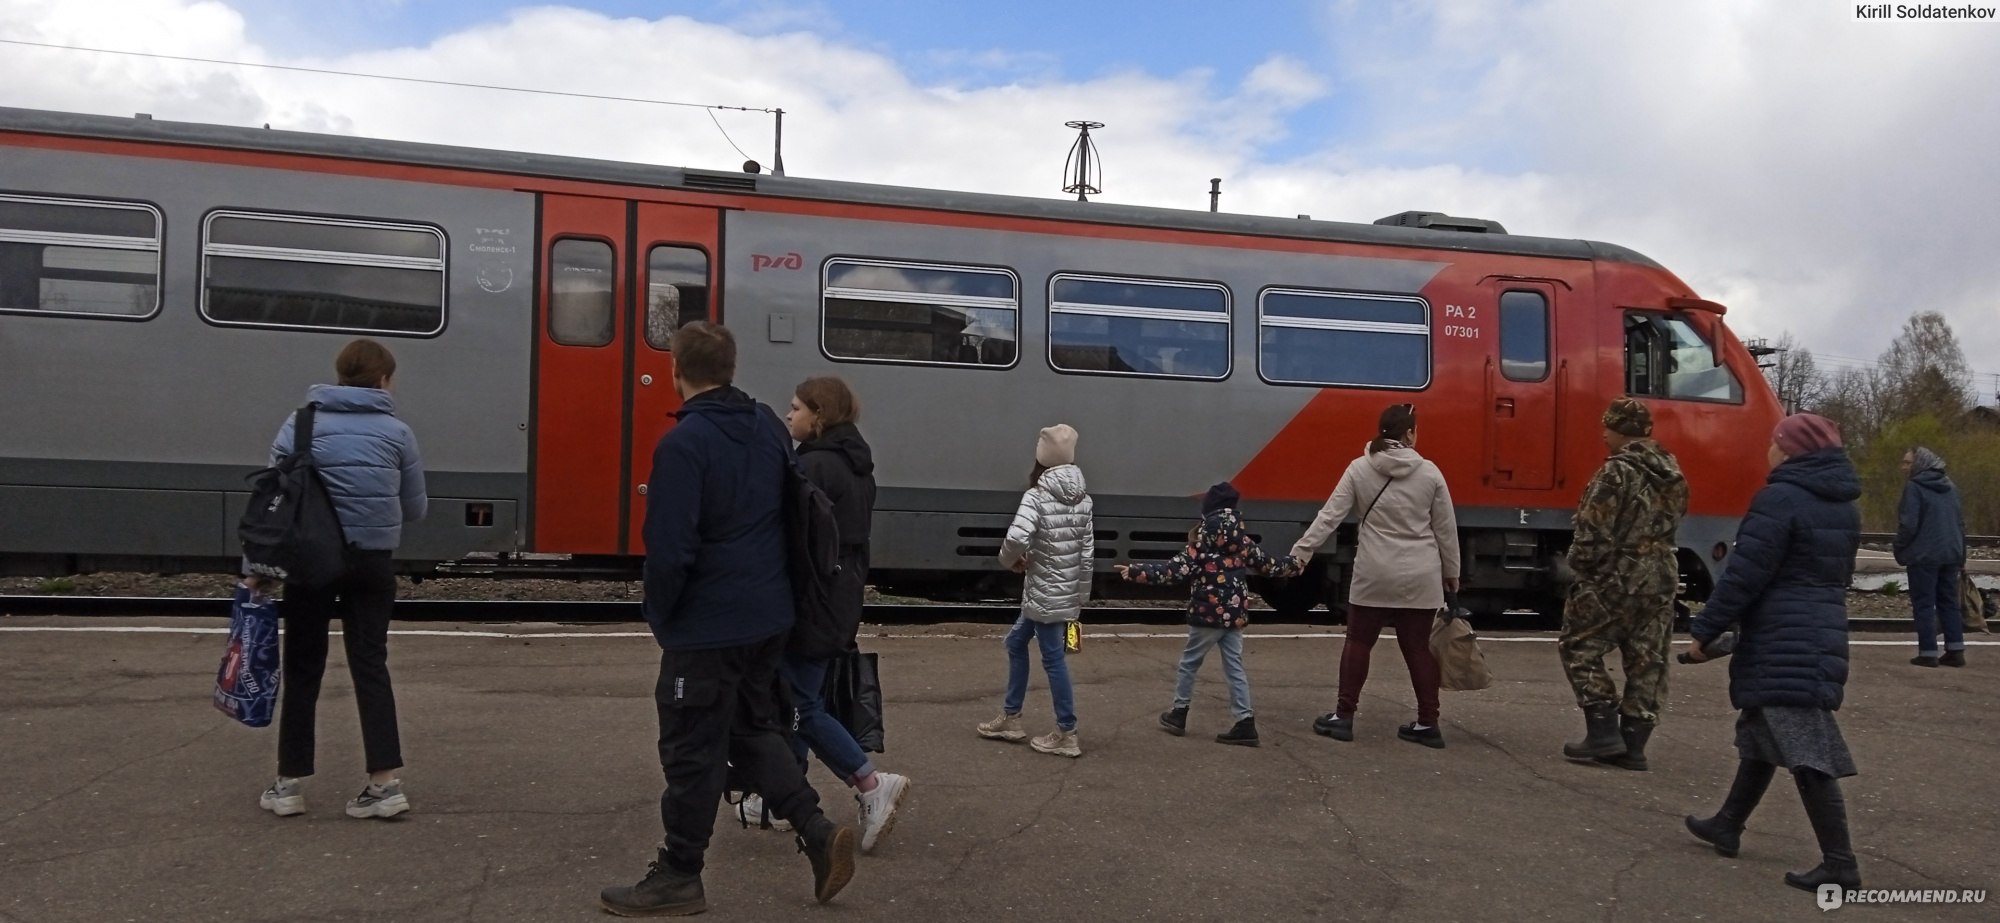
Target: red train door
(1522, 380)
(617, 277)
(674, 267)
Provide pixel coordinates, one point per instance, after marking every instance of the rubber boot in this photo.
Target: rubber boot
(1828, 813)
(1600, 736)
(1724, 831)
(1635, 734)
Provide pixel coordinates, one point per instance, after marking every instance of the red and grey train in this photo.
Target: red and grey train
(169, 290)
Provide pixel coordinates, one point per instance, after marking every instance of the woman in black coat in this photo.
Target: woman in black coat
(1785, 594)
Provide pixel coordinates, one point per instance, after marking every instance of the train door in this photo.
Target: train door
(673, 261)
(617, 277)
(1522, 384)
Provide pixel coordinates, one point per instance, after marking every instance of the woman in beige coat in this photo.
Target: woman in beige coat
(1407, 562)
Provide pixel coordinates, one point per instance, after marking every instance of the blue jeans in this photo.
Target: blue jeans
(813, 727)
(1934, 598)
(1200, 639)
(1050, 637)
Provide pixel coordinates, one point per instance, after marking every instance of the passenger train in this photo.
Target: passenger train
(168, 291)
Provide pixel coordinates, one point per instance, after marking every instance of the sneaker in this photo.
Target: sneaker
(1924, 660)
(830, 849)
(751, 812)
(1244, 734)
(1058, 742)
(385, 800)
(1952, 659)
(878, 808)
(1005, 727)
(662, 893)
(1430, 737)
(284, 798)
(1174, 720)
(1334, 726)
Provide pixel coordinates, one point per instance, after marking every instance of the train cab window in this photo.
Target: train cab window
(1109, 325)
(79, 258)
(580, 293)
(1665, 356)
(880, 311)
(267, 270)
(676, 292)
(1339, 339)
(1524, 336)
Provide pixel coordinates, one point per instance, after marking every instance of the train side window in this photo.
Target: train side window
(676, 292)
(881, 311)
(1665, 356)
(79, 258)
(1343, 339)
(1119, 326)
(269, 270)
(580, 293)
(1524, 336)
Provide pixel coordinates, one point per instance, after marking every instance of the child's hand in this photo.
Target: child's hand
(1124, 571)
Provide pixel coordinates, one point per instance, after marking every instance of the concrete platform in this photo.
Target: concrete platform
(534, 783)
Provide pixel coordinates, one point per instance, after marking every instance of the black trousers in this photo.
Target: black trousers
(719, 707)
(363, 600)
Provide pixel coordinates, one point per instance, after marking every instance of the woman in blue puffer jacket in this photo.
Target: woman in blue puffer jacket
(1930, 541)
(1785, 593)
(371, 467)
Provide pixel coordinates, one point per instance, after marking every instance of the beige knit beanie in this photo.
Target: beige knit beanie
(1057, 446)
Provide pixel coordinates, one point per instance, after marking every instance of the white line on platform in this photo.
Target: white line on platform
(530, 635)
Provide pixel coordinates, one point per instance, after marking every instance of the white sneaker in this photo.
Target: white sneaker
(1005, 727)
(385, 800)
(750, 810)
(878, 808)
(284, 798)
(1058, 742)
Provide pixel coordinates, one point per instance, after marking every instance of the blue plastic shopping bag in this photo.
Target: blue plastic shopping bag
(246, 685)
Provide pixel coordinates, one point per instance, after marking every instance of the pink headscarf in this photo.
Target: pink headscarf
(1805, 432)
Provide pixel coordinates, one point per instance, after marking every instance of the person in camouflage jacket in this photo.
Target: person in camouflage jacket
(1216, 565)
(1623, 598)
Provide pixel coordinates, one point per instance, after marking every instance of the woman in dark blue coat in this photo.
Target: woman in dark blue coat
(1785, 594)
(1930, 541)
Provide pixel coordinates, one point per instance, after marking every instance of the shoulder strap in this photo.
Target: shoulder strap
(1378, 499)
(302, 430)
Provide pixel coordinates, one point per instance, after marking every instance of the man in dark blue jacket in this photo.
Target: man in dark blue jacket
(1930, 541)
(720, 606)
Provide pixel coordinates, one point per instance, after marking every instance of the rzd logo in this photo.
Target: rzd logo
(762, 261)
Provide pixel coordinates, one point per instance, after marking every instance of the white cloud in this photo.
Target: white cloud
(1814, 173)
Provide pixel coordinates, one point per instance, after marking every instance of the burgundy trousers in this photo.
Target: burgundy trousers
(1413, 635)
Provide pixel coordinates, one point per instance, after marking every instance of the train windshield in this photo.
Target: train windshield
(1665, 356)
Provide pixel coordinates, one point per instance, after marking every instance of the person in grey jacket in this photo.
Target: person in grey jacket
(1052, 543)
(1930, 541)
(371, 467)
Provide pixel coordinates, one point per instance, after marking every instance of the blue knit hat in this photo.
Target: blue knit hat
(1220, 497)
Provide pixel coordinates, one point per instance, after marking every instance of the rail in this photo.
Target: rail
(1971, 541)
(574, 612)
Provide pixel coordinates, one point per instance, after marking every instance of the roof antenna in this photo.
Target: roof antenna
(1083, 162)
(1214, 193)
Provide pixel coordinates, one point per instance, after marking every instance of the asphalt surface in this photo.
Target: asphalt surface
(534, 784)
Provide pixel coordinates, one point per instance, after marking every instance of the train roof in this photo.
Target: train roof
(147, 129)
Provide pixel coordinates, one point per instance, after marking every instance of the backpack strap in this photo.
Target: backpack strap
(302, 430)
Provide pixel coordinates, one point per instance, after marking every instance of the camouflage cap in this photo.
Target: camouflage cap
(1628, 417)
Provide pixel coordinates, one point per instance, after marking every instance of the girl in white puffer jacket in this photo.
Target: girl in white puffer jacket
(1053, 544)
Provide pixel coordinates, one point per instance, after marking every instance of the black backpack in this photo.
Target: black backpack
(290, 531)
(812, 560)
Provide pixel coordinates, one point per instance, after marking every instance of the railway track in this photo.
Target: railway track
(1971, 541)
(573, 612)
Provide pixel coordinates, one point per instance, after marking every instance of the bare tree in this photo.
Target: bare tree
(1795, 376)
(1924, 372)
(1853, 399)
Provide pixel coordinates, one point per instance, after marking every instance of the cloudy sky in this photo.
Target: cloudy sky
(1819, 175)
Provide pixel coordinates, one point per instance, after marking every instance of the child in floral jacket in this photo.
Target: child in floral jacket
(1217, 564)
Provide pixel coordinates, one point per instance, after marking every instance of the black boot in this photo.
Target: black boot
(1244, 734)
(664, 892)
(1952, 659)
(1335, 726)
(1635, 733)
(1600, 736)
(830, 848)
(1174, 720)
(1828, 813)
(1724, 831)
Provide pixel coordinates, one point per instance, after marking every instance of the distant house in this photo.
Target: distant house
(1982, 418)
